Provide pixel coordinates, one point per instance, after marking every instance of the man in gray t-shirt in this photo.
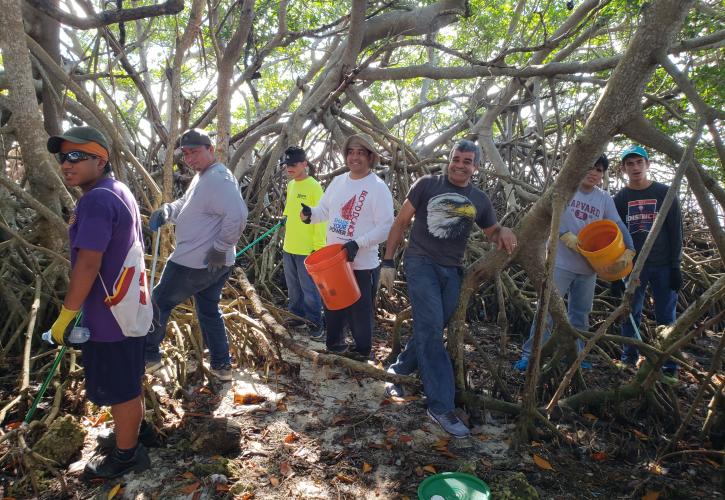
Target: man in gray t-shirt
(445, 209)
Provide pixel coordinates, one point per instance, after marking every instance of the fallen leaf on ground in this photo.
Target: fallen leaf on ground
(285, 469)
(223, 488)
(366, 467)
(441, 443)
(190, 488)
(273, 481)
(405, 438)
(338, 419)
(591, 417)
(291, 437)
(248, 398)
(656, 468)
(95, 422)
(429, 468)
(345, 479)
(651, 495)
(188, 475)
(281, 406)
(114, 491)
(542, 463)
(599, 456)
(640, 435)
(247, 496)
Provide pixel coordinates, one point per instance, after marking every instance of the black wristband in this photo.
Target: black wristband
(388, 263)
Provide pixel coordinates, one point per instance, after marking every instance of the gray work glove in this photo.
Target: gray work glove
(387, 274)
(159, 217)
(215, 260)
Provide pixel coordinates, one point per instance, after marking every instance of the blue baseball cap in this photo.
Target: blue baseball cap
(634, 149)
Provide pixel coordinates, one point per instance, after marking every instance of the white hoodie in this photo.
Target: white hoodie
(360, 210)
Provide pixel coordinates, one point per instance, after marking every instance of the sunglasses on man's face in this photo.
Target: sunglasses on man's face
(73, 156)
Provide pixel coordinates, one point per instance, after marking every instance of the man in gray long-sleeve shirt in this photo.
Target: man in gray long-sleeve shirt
(209, 219)
(573, 276)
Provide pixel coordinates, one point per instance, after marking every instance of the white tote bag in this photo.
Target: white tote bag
(130, 302)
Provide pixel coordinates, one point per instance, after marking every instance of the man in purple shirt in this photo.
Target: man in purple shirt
(103, 227)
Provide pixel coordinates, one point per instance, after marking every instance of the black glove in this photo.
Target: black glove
(306, 213)
(351, 248)
(617, 288)
(675, 279)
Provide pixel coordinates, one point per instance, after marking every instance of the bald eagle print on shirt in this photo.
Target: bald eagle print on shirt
(450, 216)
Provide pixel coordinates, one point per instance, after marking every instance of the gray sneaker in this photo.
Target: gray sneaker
(450, 423)
(223, 373)
(318, 334)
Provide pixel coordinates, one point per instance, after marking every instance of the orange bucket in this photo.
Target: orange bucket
(332, 273)
(601, 243)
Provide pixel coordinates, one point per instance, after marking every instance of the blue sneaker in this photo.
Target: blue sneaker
(450, 423)
(522, 364)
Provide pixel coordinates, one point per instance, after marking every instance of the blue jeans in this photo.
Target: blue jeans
(579, 291)
(658, 278)
(177, 284)
(433, 291)
(358, 316)
(304, 298)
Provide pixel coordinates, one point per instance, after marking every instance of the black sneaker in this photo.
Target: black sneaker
(109, 466)
(147, 436)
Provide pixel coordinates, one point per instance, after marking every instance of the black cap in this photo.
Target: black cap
(292, 155)
(194, 137)
(603, 161)
(77, 135)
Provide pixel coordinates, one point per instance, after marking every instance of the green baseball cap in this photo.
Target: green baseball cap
(634, 149)
(77, 135)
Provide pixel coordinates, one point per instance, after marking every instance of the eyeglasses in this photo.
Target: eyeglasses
(73, 157)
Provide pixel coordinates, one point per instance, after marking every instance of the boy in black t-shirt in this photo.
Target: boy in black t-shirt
(638, 205)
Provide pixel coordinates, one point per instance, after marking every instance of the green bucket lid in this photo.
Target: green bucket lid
(453, 486)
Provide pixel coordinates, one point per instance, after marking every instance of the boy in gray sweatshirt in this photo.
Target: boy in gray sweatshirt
(574, 278)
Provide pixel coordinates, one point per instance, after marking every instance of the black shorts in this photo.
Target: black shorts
(114, 370)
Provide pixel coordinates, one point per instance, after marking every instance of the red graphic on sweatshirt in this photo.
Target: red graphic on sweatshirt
(347, 209)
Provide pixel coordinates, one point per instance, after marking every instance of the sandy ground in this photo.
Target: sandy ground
(325, 433)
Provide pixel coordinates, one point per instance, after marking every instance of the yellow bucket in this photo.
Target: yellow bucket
(601, 243)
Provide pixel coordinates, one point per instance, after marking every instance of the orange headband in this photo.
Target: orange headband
(87, 147)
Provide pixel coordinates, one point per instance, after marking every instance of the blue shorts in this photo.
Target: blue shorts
(114, 370)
